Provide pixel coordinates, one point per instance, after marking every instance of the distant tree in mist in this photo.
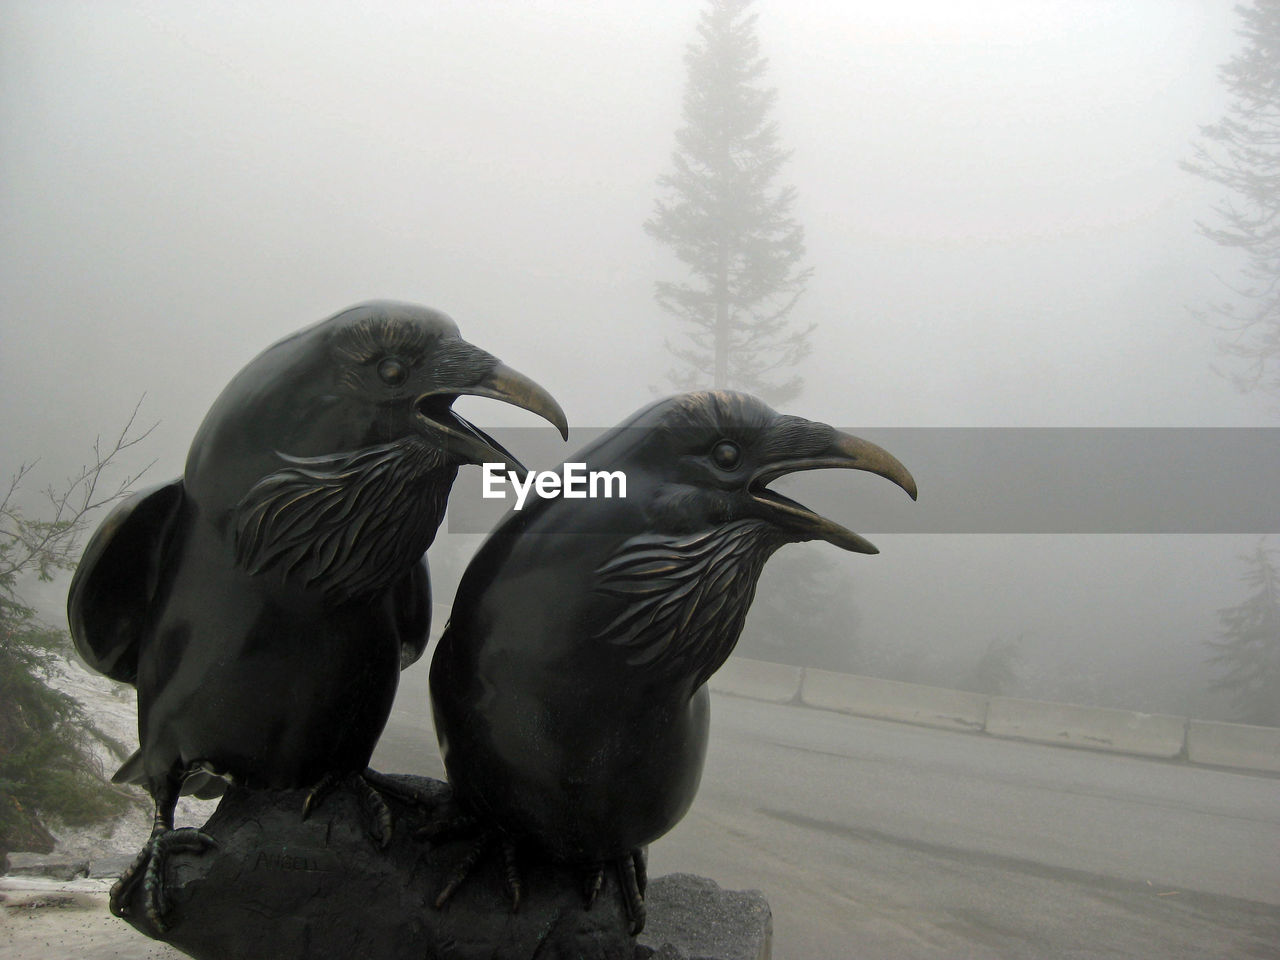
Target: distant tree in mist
(1247, 648)
(728, 223)
(804, 613)
(1242, 153)
(996, 670)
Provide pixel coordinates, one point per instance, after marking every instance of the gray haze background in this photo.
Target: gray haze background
(1001, 235)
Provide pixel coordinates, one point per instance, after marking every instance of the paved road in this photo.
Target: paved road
(879, 840)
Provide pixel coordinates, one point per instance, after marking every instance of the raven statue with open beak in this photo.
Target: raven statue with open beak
(568, 689)
(265, 603)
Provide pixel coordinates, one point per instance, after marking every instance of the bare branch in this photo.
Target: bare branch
(52, 543)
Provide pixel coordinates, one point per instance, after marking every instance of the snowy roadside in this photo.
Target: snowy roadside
(113, 707)
(53, 906)
(43, 919)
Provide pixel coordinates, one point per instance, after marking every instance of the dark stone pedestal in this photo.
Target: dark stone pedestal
(280, 887)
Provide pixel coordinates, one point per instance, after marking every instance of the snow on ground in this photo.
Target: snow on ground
(114, 709)
(42, 918)
(54, 920)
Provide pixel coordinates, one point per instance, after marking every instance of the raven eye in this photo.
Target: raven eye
(726, 454)
(392, 372)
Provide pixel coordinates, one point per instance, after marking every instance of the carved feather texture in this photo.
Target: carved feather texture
(685, 598)
(454, 362)
(383, 335)
(348, 523)
(741, 417)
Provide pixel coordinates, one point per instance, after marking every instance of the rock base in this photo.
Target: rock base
(691, 918)
(282, 887)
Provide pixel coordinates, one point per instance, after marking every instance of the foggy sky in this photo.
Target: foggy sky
(1000, 231)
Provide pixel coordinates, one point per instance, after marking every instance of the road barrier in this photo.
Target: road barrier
(891, 700)
(1233, 745)
(1041, 721)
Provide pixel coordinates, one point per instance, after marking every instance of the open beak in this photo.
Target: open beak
(466, 443)
(845, 452)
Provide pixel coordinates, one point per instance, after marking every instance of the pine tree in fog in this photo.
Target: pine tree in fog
(729, 223)
(1242, 153)
(996, 671)
(49, 767)
(1248, 645)
(804, 613)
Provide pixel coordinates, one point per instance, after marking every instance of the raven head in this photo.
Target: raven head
(720, 450)
(398, 368)
(332, 454)
(378, 373)
(676, 595)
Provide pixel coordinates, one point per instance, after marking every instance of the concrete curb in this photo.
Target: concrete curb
(891, 700)
(1040, 721)
(1098, 728)
(757, 680)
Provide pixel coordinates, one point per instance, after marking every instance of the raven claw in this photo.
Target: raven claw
(315, 796)
(511, 874)
(380, 823)
(152, 857)
(633, 874)
(447, 826)
(483, 842)
(462, 869)
(591, 888)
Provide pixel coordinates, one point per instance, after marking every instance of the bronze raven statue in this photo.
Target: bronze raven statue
(568, 689)
(265, 603)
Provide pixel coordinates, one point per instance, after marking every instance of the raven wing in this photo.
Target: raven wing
(203, 784)
(116, 580)
(411, 600)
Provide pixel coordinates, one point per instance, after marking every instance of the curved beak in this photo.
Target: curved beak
(467, 443)
(845, 452)
(511, 386)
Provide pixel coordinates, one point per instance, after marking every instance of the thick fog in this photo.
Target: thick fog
(1000, 231)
